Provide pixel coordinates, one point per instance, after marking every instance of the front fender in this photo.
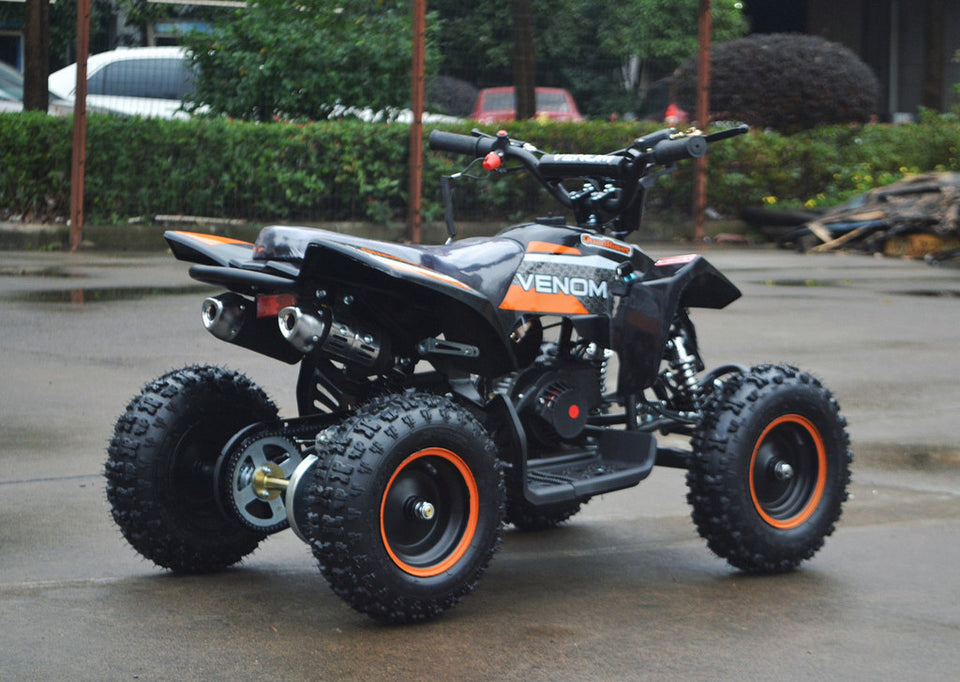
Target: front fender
(642, 320)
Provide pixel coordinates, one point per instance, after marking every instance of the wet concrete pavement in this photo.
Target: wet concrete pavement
(625, 591)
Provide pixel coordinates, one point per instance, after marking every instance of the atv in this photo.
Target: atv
(447, 390)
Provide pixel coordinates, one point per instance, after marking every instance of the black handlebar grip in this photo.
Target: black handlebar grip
(669, 151)
(469, 145)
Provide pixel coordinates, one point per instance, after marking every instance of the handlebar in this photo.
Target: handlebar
(660, 148)
(583, 165)
(671, 151)
(456, 143)
(480, 145)
(625, 169)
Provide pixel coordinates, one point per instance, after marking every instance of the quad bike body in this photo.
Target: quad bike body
(446, 389)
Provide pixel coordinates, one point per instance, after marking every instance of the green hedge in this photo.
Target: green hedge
(350, 170)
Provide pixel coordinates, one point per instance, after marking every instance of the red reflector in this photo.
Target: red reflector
(271, 305)
(574, 411)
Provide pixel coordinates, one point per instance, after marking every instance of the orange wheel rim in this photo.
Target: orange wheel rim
(429, 512)
(788, 471)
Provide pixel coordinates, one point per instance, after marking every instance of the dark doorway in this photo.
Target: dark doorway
(10, 49)
(776, 16)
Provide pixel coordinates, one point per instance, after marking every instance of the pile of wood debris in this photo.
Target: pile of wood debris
(917, 217)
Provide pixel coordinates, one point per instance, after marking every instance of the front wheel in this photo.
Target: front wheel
(408, 507)
(161, 480)
(770, 469)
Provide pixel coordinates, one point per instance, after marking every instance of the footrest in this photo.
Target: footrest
(620, 460)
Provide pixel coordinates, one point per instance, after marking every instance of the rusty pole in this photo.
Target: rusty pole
(703, 119)
(416, 126)
(78, 165)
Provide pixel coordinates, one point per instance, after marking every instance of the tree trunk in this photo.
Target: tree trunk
(524, 65)
(36, 65)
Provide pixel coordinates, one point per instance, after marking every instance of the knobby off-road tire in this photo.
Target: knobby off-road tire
(770, 469)
(377, 543)
(526, 517)
(160, 468)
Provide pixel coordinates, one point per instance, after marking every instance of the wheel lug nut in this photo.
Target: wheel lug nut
(424, 510)
(783, 471)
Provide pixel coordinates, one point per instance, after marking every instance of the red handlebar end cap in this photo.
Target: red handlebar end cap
(492, 161)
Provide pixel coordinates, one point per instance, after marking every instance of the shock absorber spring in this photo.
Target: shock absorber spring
(600, 358)
(685, 364)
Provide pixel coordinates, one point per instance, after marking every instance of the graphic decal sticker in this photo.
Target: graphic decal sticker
(606, 243)
(561, 284)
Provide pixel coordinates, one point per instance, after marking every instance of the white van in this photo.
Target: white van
(137, 81)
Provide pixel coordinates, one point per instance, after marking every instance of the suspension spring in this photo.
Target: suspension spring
(685, 364)
(601, 359)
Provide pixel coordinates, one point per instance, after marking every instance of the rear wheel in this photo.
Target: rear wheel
(770, 469)
(161, 480)
(407, 510)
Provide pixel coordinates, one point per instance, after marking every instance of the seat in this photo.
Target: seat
(484, 264)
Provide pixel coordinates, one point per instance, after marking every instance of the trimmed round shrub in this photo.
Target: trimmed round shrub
(784, 81)
(449, 95)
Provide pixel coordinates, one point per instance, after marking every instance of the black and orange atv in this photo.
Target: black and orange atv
(445, 390)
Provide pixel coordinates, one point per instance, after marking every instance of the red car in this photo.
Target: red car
(500, 104)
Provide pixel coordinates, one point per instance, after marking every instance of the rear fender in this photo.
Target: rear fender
(207, 249)
(644, 315)
(459, 312)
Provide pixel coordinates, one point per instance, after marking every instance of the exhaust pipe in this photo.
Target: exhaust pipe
(303, 330)
(309, 331)
(224, 315)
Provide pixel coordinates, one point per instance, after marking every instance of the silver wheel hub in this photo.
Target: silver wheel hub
(783, 471)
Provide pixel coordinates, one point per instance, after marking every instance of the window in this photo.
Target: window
(496, 101)
(11, 85)
(154, 78)
(552, 101)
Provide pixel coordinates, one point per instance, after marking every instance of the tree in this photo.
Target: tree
(305, 59)
(37, 58)
(524, 59)
(143, 13)
(654, 36)
(605, 53)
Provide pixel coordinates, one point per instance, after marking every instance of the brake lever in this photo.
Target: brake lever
(729, 132)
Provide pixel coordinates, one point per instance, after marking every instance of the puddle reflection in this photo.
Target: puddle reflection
(81, 296)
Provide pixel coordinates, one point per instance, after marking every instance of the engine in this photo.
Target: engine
(557, 401)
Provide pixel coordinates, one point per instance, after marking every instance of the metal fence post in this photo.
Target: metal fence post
(416, 125)
(78, 165)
